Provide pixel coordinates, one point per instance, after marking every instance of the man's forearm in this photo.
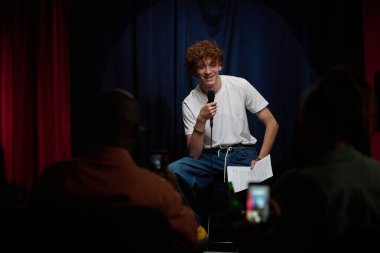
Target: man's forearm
(269, 138)
(195, 141)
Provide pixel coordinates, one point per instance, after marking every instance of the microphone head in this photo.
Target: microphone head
(210, 96)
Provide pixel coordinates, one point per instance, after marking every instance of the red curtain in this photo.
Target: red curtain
(371, 24)
(35, 127)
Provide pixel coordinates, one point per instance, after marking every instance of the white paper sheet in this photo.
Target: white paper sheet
(242, 176)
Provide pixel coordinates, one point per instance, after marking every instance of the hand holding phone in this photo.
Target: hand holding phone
(257, 203)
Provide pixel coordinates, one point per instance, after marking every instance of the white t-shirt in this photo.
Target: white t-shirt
(235, 96)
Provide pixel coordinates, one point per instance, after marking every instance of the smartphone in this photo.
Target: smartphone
(257, 205)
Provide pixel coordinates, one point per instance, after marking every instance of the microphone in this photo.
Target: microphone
(211, 96)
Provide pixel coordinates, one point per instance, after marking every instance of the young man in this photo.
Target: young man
(216, 124)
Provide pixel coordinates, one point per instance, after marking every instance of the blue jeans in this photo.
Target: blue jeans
(195, 174)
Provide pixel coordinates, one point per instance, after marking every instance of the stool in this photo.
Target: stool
(217, 217)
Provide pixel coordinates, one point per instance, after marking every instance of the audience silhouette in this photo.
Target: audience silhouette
(105, 176)
(12, 195)
(332, 202)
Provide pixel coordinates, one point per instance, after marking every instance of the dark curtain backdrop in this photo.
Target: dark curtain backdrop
(279, 46)
(35, 123)
(56, 56)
